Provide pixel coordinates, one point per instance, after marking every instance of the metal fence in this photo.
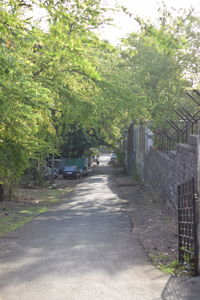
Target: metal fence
(178, 131)
(188, 252)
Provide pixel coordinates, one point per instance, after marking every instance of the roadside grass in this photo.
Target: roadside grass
(162, 262)
(13, 215)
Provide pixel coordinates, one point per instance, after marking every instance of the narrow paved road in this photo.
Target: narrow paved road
(81, 250)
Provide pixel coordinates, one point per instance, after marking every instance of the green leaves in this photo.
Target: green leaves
(25, 104)
(64, 76)
(48, 78)
(157, 58)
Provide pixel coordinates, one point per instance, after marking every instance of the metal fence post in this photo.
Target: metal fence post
(197, 199)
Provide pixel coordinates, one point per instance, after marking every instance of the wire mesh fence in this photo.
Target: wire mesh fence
(188, 255)
(179, 130)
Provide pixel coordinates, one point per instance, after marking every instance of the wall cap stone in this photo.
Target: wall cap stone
(192, 139)
(172, 154)
(163, 154)
(182, 147)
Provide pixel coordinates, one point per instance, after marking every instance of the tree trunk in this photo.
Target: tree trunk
(52, 170)
(1, 192)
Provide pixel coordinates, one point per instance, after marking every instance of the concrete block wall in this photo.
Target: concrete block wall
(163, 172)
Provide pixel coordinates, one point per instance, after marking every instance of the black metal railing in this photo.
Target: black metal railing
(187, 223)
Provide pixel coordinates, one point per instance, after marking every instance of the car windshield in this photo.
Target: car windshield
(71, 168)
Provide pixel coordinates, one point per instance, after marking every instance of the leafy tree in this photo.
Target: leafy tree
(62, 89)
(159, 65)
(48, 78)
(25, 129)
(77, 141)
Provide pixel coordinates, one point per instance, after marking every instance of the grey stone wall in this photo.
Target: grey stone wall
(163, 172)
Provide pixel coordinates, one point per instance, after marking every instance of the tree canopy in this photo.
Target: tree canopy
(63, 90)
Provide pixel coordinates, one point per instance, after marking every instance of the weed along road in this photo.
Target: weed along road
(83, 249)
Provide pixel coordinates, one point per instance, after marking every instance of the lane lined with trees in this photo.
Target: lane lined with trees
(64, 90)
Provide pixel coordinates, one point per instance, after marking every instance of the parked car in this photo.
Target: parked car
(71, 172)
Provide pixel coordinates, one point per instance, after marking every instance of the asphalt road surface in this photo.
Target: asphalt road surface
(83, 249)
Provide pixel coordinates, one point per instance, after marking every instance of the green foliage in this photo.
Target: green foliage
(161, 260)
(77, 141)
(172, 268)
(120, 156)
(47, 79)
(64, 75)
(156, 71)
(91, 152)
(25, 128)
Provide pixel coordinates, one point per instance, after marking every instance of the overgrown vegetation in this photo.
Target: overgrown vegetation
(162, 262)
(64, 77)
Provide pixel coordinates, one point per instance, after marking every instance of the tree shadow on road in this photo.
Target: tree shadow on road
(89, 233)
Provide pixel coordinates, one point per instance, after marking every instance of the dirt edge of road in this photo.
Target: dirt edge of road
(28, 203)
(154, 223)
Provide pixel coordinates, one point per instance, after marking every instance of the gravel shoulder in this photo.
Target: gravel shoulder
(154, 224)
(157, 230)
